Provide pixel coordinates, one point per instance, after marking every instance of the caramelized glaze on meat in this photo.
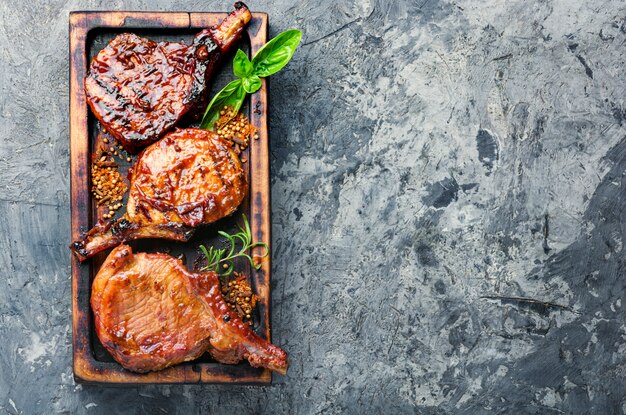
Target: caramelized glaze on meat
(151, 313)
(139, 89)
(190, 177)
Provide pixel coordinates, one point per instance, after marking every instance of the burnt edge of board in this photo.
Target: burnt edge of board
(85, 367)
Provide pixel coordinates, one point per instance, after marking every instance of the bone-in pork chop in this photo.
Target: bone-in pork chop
(139, 89)
(151, 313)
(190, 177)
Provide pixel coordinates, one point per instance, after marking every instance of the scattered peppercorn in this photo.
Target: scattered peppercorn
(239, 296)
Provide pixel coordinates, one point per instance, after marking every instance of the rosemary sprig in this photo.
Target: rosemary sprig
(216, 258)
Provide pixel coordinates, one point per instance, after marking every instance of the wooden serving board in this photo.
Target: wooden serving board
(89, 33)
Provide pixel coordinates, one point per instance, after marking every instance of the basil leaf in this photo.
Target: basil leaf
(251, 84)
(242, 67)
(272, 57)
(232, 95)
(268, 60)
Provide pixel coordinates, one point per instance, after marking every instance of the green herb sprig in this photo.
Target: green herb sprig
(271, 58)
(216, 258)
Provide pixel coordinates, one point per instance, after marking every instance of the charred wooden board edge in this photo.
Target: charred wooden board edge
(86, 368)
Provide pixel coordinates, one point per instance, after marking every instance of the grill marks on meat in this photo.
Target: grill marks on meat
(139, 89)
(151, 313)
(190, 177)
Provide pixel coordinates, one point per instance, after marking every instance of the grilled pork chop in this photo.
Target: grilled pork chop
(151, 313)
(188, 178)
(139, 89)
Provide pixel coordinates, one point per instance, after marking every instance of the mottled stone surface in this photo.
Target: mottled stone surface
(447, 211)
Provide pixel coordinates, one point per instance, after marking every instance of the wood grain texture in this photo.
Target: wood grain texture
(89, 364)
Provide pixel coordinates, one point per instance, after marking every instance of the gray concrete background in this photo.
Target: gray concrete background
(447, 211)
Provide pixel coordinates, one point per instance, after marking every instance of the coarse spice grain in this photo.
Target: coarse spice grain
(235, 128)
(239, 296)
(107, 185)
